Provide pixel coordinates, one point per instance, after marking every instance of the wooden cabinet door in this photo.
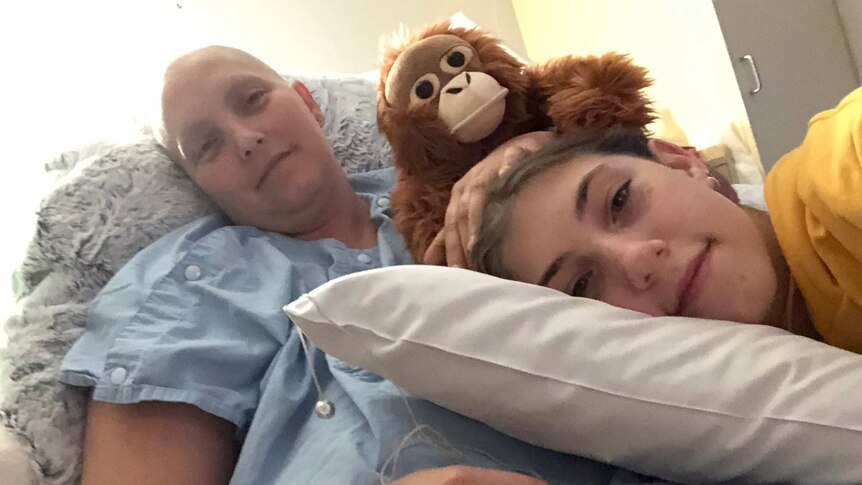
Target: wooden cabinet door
(802, 59)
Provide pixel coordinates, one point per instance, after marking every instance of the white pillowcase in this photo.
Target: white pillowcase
(683, 399)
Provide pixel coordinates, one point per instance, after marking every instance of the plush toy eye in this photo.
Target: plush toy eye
(456, 59)
(424, 89)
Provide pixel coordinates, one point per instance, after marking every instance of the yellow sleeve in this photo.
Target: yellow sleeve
(814, 195)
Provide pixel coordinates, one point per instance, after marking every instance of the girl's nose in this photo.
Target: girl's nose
(641, 260)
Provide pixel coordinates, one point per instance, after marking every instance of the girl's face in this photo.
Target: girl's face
(640, 235)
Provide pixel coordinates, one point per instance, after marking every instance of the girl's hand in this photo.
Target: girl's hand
(453, 243)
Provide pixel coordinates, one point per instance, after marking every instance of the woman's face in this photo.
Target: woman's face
(246, 137)
(640, 235)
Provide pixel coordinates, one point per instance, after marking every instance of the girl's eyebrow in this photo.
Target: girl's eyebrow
(583, 190)
(581, 198)
(553, 269)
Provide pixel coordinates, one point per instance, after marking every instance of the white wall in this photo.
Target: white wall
(85, 70)
(332, 35)
(93, 64)
(679, 41)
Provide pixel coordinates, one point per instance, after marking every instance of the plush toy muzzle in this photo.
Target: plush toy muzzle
(472, 105)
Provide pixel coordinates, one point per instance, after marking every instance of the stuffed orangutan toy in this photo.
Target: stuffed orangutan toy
(449, 96)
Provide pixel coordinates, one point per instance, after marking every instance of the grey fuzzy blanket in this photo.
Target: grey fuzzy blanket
(110, 203)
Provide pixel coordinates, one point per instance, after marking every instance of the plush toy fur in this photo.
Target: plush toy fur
(566, 94)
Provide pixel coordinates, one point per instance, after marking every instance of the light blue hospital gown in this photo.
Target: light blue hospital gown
(196, 318)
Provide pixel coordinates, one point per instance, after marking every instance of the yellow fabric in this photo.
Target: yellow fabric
(814, 195)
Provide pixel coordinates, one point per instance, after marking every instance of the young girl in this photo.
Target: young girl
(636, 223)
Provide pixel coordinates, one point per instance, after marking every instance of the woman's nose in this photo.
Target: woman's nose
(248, 142)
(641, 261)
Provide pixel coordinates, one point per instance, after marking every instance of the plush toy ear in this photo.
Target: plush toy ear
(594, 92)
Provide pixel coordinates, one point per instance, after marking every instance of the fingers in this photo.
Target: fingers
(455, 256)
(436, 252)
(470, 205)
(468, 198)
(515, 154)
(464, 215)
(535, 143)
(511, 157)
(475, 206)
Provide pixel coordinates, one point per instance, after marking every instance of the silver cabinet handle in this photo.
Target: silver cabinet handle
(757, 84)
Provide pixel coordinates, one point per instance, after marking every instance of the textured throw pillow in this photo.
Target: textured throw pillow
(684, 399)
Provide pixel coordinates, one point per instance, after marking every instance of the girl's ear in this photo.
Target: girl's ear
(309, 101)
(678, 158)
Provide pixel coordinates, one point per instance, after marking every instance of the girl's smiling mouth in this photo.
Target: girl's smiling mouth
(693, 281)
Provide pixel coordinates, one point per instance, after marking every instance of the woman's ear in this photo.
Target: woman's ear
(309, 101)
(678, 158)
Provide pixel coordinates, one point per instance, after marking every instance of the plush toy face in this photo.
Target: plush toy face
(449, 96)
(443, 74)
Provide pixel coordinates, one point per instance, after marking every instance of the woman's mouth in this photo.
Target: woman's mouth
(693, 281)
(280, 157)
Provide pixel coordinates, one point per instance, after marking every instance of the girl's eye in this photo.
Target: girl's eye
(620, 198)
(580, 287)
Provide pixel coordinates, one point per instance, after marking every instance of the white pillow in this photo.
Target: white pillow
(683, 399)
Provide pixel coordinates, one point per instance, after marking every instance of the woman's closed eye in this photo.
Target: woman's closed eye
(255, 97)
(207, 150)
(253, 101)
